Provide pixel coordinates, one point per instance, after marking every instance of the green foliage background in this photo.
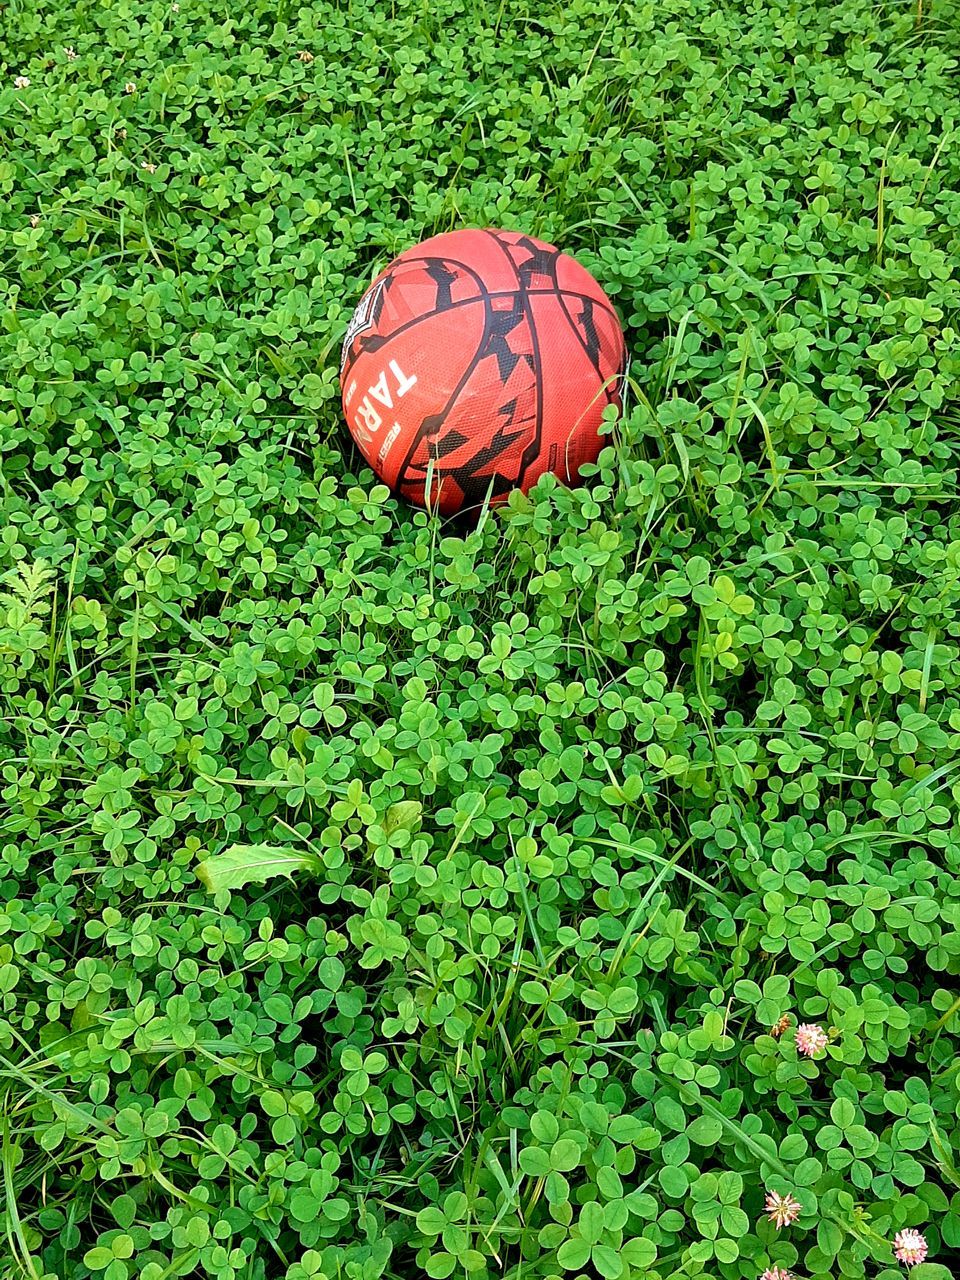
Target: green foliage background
(571, 807)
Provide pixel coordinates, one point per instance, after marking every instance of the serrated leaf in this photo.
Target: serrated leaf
(244, 864)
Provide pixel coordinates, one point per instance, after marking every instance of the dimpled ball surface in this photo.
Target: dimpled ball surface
(482, 358)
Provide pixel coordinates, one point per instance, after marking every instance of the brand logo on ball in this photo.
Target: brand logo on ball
(388, 441)
(367, 418)
(362, 318)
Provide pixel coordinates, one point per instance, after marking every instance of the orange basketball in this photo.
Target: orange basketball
(484, 358)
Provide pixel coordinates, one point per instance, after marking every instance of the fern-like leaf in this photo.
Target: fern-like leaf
(29, 585)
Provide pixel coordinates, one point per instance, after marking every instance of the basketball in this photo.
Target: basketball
(480, 360)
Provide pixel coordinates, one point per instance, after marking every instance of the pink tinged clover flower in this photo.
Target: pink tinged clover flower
(909, 1247)
(776, 1273)
(811, 1039)
(781, 1210)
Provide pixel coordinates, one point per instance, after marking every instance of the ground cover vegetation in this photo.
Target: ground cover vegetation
(572, 895)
